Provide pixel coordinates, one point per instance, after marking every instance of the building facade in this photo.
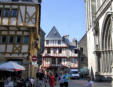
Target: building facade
(82, 44)
(19, 32)
(100, 36)
(59, 53)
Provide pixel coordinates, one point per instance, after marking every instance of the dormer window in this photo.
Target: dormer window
(59, 42)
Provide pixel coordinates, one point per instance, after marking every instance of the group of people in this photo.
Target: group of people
(18, 82)
(46, 79)
(52, 78)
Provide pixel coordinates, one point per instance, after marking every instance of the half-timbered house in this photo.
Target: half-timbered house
(59, 53)
(19, 32)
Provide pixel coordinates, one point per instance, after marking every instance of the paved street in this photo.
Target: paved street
(83, 83)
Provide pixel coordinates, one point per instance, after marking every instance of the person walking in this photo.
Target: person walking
(51, 80)
(40, 77)
(66, 79)
(61, 79)
(90, 82)
(32, 81)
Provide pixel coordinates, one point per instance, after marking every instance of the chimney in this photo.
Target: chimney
(74, 41)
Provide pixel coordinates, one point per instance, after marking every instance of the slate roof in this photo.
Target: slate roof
(53, 34)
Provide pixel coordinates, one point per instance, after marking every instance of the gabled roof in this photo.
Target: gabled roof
(53, 34)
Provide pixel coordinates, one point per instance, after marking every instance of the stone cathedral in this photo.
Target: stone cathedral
(99, 19)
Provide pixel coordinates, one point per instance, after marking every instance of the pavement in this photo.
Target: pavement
(83, 83)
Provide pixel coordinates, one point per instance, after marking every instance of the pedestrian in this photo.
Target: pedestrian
(61, 79)
(66, 79)
(51, 80)
(90, 82)
(56, 77)
(32, 81)
(45, 79)
(40, 77)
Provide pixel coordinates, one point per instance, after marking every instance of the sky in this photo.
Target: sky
(68, 16)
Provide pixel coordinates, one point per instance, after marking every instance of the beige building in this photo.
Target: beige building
(99, 16)
(19, 32)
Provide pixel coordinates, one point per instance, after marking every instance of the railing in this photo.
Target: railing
(60, 55)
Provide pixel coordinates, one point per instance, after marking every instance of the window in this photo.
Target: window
(14, 12)
(0, 39)
(81, 49)
(54, 50)
(48, 50)
(59, 61)
(75, 60)
(0, 11)
(75, 51)
(6, 12)
(10, 39)
(59, 42)
(26, 0)
(47, 41)
(3, 39)
(53, 61)
(26, 40)
(15, 0)
(18, 39)
(60, 50)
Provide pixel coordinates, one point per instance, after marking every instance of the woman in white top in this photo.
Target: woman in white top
(61, 79)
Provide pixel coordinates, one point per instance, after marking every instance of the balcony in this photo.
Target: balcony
(59, 55)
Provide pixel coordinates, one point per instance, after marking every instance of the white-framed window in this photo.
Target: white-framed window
(60, 50)
(47, 42)
(53, 60)
(54, 50)
(48, 50)
(59, 60)
(75, 60)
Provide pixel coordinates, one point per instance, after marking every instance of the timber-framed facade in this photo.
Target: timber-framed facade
(19, 32)
(59, 53)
